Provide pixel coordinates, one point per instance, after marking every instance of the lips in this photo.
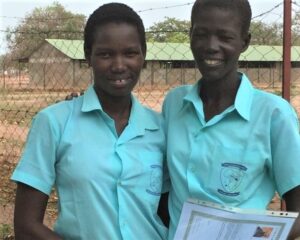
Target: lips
(119, 82)
(213, 62)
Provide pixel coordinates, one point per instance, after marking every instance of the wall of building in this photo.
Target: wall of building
(50, 69)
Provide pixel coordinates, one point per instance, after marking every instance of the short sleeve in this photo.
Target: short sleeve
(285, 147)
(36, 167)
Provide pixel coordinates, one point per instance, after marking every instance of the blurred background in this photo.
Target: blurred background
(42, 61)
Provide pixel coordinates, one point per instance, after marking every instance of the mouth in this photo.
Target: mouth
(213, 62)
(121, 82)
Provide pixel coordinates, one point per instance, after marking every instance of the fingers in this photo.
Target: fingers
(72, 95)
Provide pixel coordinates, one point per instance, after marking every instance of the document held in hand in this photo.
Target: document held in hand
(208, 221)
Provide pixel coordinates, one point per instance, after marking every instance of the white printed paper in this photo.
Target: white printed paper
(207, 221)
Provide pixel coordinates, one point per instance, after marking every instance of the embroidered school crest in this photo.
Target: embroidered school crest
(155, 182)
(231, 177)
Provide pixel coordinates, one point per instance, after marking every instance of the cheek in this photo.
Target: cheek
(138, 64)
(99, 66)
(196, 46)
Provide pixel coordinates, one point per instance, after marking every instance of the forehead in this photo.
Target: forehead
(217, 18)
(214, 11)
(113, 31)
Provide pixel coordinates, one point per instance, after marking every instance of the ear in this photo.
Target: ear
(144, 51)
(88, 61)
(87, 55)
(247, 40)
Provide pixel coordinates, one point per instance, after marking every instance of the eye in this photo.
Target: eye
(132, 53)
(103, 54)
(199, 35)
(227, 38)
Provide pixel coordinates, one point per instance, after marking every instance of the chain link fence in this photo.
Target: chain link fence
(33, 78)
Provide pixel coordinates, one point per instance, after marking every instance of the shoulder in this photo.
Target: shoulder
(272, 102)
(59, 113)
(178, 92)
(174, 98)
(155, 116)
(275, 108)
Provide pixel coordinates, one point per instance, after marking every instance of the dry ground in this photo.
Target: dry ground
(13, 135)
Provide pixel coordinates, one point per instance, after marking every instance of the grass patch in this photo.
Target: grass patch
(6, 231)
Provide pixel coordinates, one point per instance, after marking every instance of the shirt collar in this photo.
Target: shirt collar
(242, 103)
(193, 97)
(90, 100)
(244, 98)
(140, 116)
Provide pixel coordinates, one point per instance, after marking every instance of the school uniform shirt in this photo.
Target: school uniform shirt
(108, 186)
(238, 158)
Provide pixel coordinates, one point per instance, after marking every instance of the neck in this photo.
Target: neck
(220, 90)
(218, 95)
(118, 108)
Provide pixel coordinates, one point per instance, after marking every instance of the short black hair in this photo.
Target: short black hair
(241, 7)
(112, 12)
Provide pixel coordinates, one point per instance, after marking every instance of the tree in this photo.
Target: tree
(296, 29)
(266, 34)
(174, 30)
(49, 22)
(169, 30)
(2, 58)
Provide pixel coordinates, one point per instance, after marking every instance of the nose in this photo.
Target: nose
(118, 64)
(212, 44)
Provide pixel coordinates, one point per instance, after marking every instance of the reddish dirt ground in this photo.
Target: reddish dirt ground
(17, 133)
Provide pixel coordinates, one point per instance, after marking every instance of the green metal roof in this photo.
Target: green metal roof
(179, 51)
(168, 51)
(72, 48)
(262, 53)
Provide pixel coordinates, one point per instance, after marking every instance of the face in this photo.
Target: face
(116, 59)
(217, 42)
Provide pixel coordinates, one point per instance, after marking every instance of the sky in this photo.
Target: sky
(151, 11)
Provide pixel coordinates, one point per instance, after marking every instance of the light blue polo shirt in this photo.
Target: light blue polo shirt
(238, 158)
(108, 186)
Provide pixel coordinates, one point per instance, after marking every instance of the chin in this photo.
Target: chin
(121, 94)
(207, 77)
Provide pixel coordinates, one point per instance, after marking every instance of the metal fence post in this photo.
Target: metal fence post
(287, 22)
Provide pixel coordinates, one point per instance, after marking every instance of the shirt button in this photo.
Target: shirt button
(120, 183)
(123, 224)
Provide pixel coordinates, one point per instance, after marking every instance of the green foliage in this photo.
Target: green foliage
(169, 30)
(1, 63)
(296, 29)
(50, 22)
(175, 30)
(6, 231)
(266, 34)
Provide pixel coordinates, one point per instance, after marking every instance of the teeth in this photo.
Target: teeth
(212, 62)
(120, 80)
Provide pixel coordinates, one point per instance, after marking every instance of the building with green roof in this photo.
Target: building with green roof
(60, 63)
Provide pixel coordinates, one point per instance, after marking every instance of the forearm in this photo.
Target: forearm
(162, 210)
(29, 214)
(295, 232)
(292, 199)
(36, 231)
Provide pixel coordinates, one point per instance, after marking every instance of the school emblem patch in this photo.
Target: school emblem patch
(231, 177)
(155, 182)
